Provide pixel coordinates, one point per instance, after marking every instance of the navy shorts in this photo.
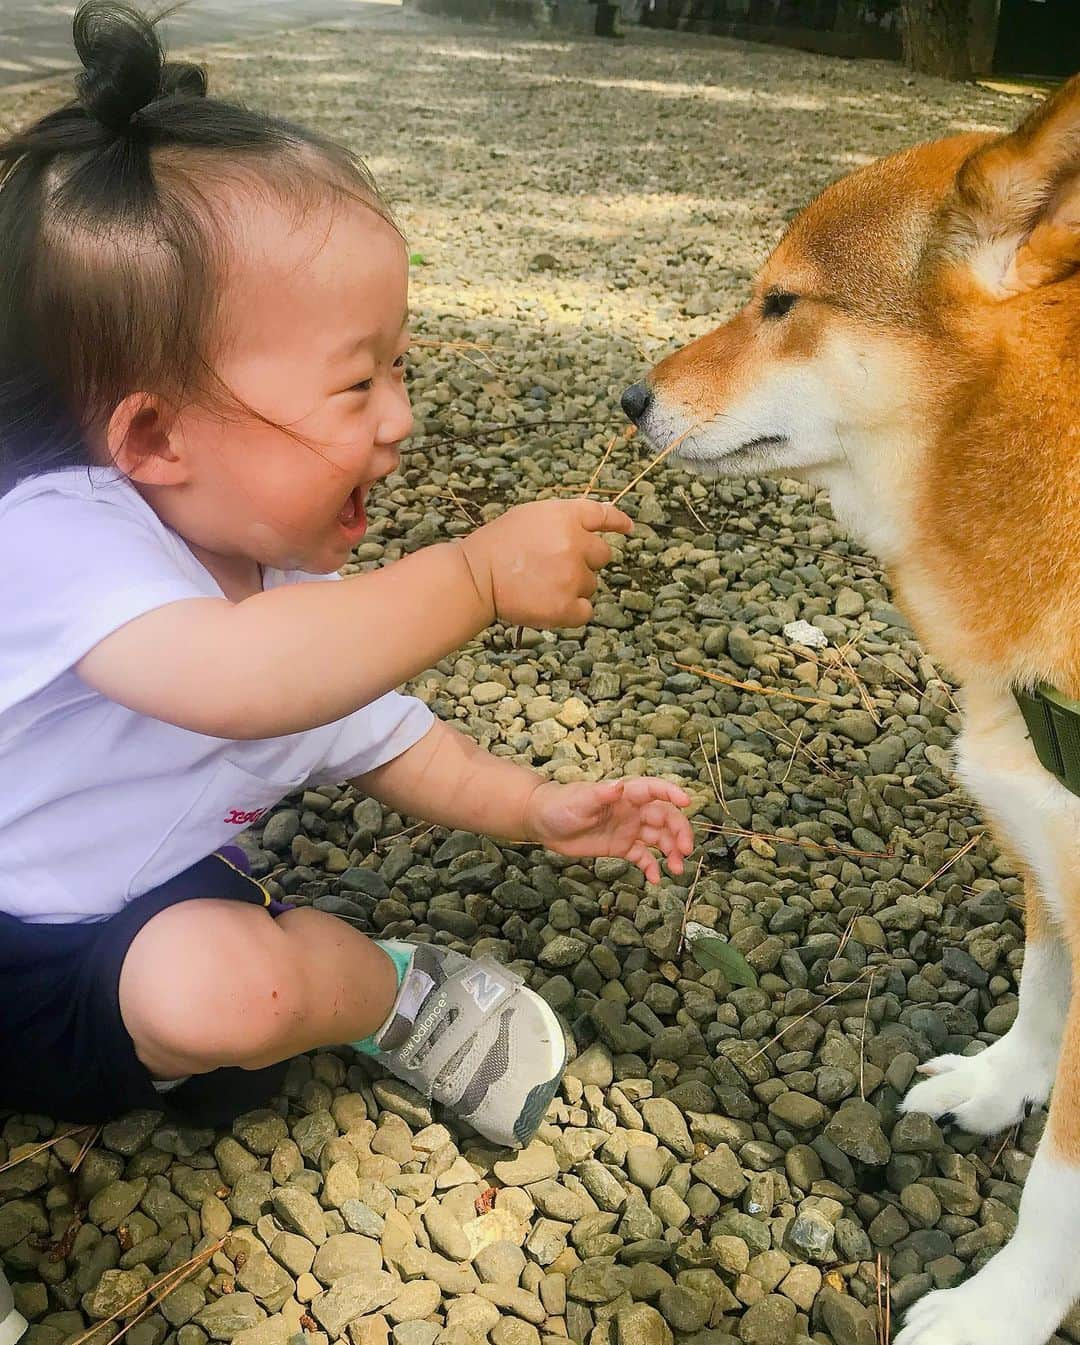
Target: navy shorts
(64, 1049)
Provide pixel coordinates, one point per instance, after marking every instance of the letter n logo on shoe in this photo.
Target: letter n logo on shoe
(485, 990)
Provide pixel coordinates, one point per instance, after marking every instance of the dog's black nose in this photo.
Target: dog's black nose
(636, 400)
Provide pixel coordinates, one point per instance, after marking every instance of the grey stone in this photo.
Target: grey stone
(641, 1325)
(856, 1131)
(720, 1170)
(684, 1309)
(361, 1218)
(602, 1185)
(593, 1065)
(534, 1163)
(500, 1263)
(112, 1205)
(798, 1111)
(116, 1289)
(667, 1123)
(847, 1321)
(299, 1211)
(183, 1303)
(131, 1132)
(346, 1254)
(446, 1233)
(769, 1321)
(350, 1298)
(260, 1131)
(416, 1300)
(812, 1235)
(226, 1317)
(294, 1252)
(266, 1280)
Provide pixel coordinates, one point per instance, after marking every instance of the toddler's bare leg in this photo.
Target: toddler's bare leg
(213, 983)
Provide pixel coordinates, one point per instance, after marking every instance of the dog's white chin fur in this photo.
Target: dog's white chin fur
(785, 425)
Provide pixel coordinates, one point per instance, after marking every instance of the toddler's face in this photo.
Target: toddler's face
(313, 339)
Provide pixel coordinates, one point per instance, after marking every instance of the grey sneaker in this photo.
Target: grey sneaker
(472, 1036)
(12, 1325)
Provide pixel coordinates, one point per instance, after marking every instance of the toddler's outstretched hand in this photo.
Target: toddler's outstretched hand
(627, 819)
(536, 564)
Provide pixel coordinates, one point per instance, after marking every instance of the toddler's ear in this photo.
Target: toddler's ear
(140, 441)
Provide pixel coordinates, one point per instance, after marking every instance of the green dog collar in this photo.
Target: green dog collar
(1053, 720)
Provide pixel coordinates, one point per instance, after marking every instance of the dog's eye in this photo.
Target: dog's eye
(778, 304)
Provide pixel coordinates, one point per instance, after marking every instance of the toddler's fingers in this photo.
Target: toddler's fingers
(642, 858)
(579, 613)
(671, 793)
(674, 861)
(588, 584)
(683, 832)
(675, 848)
(649, 789)
(600, 517)
(597, 553)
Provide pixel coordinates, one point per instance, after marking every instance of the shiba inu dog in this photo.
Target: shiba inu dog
(913, 345)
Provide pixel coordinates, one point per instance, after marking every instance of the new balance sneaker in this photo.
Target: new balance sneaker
(471, 1035)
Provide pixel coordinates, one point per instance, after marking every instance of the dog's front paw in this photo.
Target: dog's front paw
(984, 1093)
(991, 1309)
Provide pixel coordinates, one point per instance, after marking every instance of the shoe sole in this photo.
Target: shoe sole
(536, 1103)
(12, 1328)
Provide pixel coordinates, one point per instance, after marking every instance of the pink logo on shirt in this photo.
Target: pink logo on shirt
(236, 817)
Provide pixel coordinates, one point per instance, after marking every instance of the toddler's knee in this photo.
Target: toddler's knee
(237, 1002)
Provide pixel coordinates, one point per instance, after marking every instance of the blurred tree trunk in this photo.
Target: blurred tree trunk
(983, 40)
(937, 37)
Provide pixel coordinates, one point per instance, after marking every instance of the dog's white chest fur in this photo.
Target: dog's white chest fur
(1037, 815)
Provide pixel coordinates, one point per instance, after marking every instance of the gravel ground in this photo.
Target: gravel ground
(725, 1162)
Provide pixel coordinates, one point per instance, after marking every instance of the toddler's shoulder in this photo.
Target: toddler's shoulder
(81, 554)
(86, 519)
(91, 494)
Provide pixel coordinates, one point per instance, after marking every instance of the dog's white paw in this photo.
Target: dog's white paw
(984, 1093)
(987, 1310)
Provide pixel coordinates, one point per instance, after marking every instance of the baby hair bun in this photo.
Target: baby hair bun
(124, 66)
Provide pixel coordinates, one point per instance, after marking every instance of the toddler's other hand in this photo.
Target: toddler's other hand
(537, 563)
(627, 819)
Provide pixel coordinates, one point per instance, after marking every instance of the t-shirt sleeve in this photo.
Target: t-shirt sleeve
(74, 571)
(372, 736)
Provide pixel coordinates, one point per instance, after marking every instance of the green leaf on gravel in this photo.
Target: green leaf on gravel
(718, 955)
(417, 259)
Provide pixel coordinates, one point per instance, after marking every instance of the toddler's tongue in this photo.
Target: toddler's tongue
(353, 509)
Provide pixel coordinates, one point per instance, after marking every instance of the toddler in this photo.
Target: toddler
(203, 333)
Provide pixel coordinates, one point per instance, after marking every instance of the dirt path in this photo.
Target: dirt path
(35, 35)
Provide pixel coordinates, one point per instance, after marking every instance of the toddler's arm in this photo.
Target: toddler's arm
(229, 670)
(446, 778)
(449, 779)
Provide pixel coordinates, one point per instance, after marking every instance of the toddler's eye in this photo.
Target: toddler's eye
(364, 386)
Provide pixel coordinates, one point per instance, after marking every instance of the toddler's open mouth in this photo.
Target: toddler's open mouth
(353, 515)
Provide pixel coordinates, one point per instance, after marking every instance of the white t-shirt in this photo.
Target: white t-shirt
(98, 804)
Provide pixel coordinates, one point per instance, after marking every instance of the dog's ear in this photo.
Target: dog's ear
(1014, 219)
